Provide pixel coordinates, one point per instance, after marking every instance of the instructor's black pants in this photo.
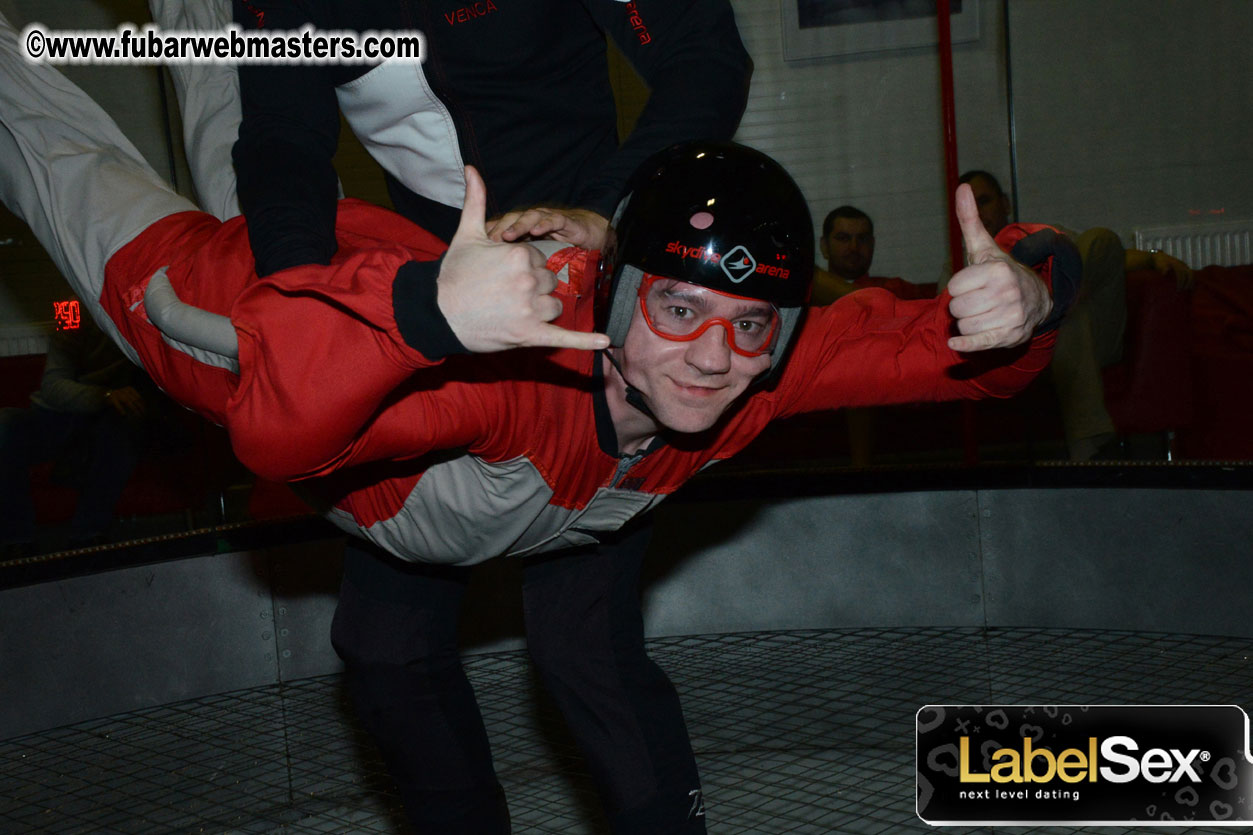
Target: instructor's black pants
(396, 629)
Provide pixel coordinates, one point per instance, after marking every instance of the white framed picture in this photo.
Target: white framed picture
(826, 28)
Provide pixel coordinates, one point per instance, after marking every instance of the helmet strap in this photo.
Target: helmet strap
(634, 397)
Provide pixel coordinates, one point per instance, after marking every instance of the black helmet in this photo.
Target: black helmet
(717, 214)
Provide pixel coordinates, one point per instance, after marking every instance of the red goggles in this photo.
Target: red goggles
(682, 312)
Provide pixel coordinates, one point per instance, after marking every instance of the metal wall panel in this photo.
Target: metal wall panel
(1155, 560)
(898, 559)
(121, 640)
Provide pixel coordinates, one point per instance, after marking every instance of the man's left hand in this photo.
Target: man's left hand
(580, 227)
(997, 302)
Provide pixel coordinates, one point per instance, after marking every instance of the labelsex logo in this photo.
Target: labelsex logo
(1039, 765)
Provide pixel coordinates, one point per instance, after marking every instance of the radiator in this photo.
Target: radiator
(1224, 244)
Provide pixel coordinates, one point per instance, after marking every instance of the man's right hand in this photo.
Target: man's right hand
(497, 296)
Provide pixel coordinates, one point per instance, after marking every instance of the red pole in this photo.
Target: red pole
(970, 441)
(949, 117)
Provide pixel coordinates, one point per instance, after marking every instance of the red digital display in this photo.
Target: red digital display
(67, 315)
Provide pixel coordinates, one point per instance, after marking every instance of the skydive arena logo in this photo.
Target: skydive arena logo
(739, 264)
(1142, 765)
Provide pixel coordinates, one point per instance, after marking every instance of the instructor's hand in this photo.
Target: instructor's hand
(496, 296)
(997, 302)
(580, 227)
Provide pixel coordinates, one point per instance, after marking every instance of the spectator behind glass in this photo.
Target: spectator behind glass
(847, 243)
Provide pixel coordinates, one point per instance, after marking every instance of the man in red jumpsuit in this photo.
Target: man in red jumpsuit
(454, 404)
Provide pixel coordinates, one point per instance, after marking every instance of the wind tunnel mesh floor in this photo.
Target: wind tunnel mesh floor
(795, 732)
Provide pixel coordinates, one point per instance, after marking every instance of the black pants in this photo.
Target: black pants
(395, 628)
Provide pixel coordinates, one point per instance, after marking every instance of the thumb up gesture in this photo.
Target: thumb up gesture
(997, 302)
(496, 296)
